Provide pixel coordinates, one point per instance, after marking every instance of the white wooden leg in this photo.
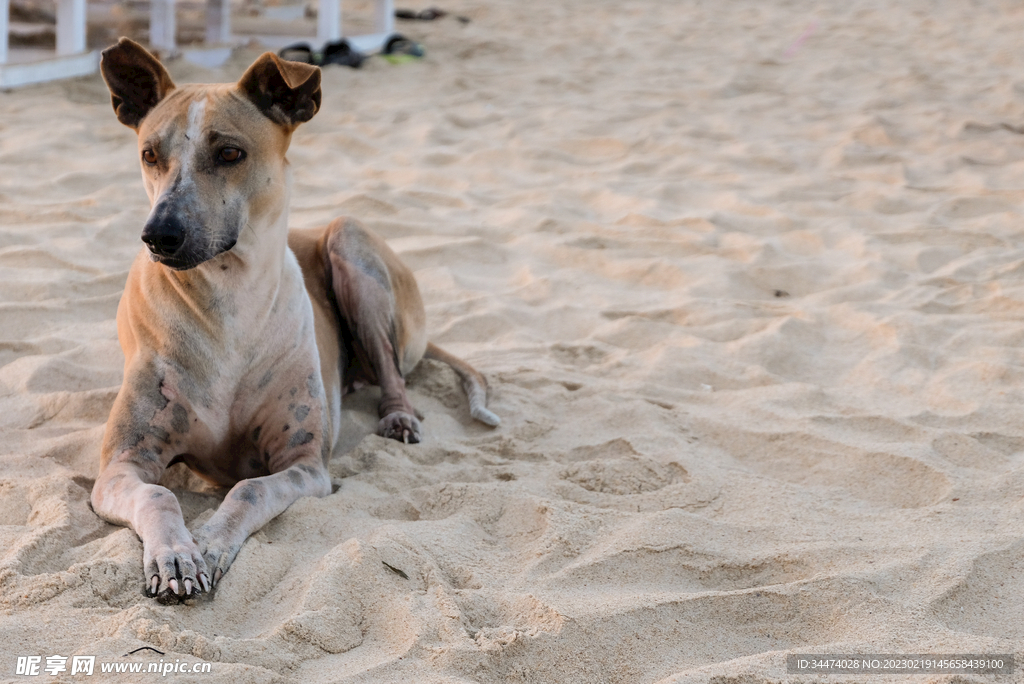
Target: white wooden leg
(162, 25)
(70, 27)
(384, 16)
(5, 11)
(218, 21)
(71, 59)
(328, 21)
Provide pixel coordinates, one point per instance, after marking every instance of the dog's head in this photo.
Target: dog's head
(212, 156)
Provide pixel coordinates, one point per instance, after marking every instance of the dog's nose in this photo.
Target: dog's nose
(163, 239)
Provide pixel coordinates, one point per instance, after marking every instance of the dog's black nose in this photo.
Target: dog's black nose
(164, 238)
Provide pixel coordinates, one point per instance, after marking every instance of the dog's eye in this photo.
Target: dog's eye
(231, 155)
(149, 156)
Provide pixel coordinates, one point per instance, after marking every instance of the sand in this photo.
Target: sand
(748, 284)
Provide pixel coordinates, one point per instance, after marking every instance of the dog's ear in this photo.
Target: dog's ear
(288, 93)
(136, 79)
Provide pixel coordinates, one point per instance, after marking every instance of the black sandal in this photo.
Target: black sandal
(299, 52)
(338, 52)
(400, 45)
(423, 15)
(341, 52)
(429, 14)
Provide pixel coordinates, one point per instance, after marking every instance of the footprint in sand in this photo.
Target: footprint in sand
(624, 476)
(883, 478)
(989, 599)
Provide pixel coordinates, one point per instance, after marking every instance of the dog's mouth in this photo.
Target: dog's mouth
(187, 260)
(176, 263)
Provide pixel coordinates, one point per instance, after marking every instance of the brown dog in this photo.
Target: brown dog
(241, 337)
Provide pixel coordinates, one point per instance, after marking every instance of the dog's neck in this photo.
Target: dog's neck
(251, 271)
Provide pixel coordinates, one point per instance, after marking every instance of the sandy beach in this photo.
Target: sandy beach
(747, 281)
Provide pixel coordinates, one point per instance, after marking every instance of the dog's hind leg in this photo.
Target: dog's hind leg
(382, 321)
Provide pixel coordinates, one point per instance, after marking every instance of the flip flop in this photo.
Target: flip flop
(340, 52)
(299, 52)
(400, 45)
(426, 15)
(423, 15)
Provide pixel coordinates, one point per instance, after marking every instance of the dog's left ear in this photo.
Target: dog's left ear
(288, 93)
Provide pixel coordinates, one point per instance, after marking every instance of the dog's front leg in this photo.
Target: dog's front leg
(253, 503)
(149, 424)
(125, 493)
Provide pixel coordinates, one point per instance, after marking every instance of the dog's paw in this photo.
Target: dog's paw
(400, 426)
(174, 568)
(218, 550)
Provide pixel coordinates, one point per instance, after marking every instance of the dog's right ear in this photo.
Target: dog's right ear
(136, 79)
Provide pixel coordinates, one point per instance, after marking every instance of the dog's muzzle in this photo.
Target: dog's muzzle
(163, 243)
(164, 234)
(167, 238)
(178, 240)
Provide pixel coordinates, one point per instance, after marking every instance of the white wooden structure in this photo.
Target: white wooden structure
(328, 25)
(218, 26)
(71, 59)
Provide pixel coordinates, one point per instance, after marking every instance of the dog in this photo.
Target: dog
(240, 337)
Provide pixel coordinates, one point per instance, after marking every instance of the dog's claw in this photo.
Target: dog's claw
(216, 576)
(172, 561)
(400, 426)
(204, 582)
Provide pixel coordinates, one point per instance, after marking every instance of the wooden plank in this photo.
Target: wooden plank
(5, 13)
(384, 16)
(218, 21)
(162, 27)
(19, 74)
(328, 21)
(70, 27)
(369, 43)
